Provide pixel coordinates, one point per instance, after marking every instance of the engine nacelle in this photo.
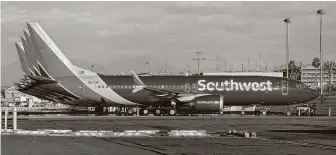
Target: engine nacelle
(206, 104)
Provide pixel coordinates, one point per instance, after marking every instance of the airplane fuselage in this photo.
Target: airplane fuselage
(236, 90)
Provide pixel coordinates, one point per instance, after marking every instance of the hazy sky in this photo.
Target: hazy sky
(105, 31)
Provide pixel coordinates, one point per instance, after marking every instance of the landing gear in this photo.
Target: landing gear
(264, 113)
(288, 113)
(130, 111)
(144, 112)
(172, 112)
(221, 113)
(158, 112)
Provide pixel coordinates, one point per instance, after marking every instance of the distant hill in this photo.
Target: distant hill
(138, 65)
(11, 72)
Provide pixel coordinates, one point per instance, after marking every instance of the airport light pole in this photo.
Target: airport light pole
(198, 61)
(320, 12)
(287, 21)
(147, 65)
(92, 67)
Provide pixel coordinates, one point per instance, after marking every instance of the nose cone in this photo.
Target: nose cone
(310, 94)
(303, 95)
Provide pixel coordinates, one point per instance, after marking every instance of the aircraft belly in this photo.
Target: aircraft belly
(141, 97)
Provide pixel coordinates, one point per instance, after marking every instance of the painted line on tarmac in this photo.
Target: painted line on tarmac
(307, 144)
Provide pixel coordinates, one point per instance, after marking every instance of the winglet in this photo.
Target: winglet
(137, 80)
(139, 84)
(137, 88)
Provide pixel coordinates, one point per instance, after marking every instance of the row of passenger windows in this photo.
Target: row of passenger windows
(186, 87)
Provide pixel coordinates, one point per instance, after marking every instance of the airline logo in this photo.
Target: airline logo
(208, 102)
(234, 86)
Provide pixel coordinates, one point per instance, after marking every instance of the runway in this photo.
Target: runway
(275, 135)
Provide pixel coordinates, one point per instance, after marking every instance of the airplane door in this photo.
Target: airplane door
(80, 88)
(284, 87)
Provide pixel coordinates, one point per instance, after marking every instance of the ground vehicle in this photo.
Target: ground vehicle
(306, 110)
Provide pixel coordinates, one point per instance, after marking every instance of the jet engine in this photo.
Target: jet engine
(205, 104)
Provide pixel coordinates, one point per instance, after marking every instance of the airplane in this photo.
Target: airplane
(49, 74)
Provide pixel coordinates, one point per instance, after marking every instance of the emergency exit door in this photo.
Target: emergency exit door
(80, 88)
(284, 87)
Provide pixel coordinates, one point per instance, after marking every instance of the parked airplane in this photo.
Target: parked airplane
(49, 74)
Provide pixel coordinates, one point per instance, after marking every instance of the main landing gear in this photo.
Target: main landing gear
(144, 112)
(161, 111)
(172, 112)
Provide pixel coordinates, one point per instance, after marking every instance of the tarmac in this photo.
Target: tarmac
(275, 135)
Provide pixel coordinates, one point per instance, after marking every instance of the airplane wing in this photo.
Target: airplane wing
(163, 93)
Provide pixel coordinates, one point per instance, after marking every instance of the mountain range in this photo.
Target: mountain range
(11, 72)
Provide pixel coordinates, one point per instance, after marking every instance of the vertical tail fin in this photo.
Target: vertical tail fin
(23, 58)
(32, 51)
(29, 56)
(53, 61)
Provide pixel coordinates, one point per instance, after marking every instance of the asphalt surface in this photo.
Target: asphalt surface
(275, 135)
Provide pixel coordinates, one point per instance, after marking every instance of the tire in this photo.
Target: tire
(145, 112)
(288, 113)
(130, 112)
(172, 112)
(157, 112)
(221, 113)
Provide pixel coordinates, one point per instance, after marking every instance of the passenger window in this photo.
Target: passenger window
(98, 86)
(187, 87)
(194, 87)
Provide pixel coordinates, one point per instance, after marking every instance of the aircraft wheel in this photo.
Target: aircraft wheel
(288, 113)
(172, 112)
(145, 112)
(221, 113)
(130, 111)
(157, 112)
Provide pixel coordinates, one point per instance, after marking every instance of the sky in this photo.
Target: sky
(101, 32)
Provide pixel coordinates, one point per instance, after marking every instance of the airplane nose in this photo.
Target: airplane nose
(313, 93)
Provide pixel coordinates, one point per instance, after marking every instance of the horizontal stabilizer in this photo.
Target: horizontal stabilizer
(42, 80)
